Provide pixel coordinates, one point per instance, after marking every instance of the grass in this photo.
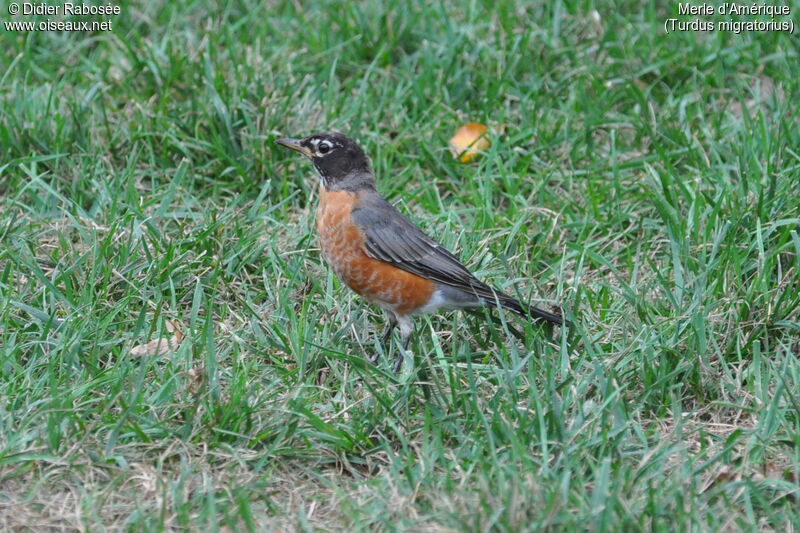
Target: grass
(649, 182)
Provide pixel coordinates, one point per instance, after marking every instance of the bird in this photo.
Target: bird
(380, 254)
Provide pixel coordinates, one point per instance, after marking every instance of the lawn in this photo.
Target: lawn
(647, 182)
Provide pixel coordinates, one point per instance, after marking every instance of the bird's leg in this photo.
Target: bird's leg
(385, 338)
(387, 335)
(405, 335)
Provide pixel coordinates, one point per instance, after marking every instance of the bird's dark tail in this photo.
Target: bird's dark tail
(512, 304)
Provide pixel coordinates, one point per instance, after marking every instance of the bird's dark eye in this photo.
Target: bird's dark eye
(324, 147)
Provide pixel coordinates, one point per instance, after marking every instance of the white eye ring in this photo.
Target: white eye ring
(324, 147)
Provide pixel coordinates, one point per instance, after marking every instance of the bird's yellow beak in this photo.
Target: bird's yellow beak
(294, 144)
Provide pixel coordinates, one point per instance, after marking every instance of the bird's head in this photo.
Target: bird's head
(340, 162)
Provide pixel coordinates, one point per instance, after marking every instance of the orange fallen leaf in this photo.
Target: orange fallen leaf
(160, 345)
(469, 140)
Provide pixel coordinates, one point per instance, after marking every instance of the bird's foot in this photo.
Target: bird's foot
(398, 362)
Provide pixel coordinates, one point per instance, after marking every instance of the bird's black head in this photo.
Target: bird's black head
(340, 162)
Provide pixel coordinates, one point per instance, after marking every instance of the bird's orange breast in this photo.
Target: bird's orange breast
(342, 244)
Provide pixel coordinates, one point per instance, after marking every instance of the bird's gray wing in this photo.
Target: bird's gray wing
(392, 238)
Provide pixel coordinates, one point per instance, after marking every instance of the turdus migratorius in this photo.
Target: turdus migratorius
(382, 255)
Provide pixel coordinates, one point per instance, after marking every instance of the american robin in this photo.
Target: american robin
(379, 253)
